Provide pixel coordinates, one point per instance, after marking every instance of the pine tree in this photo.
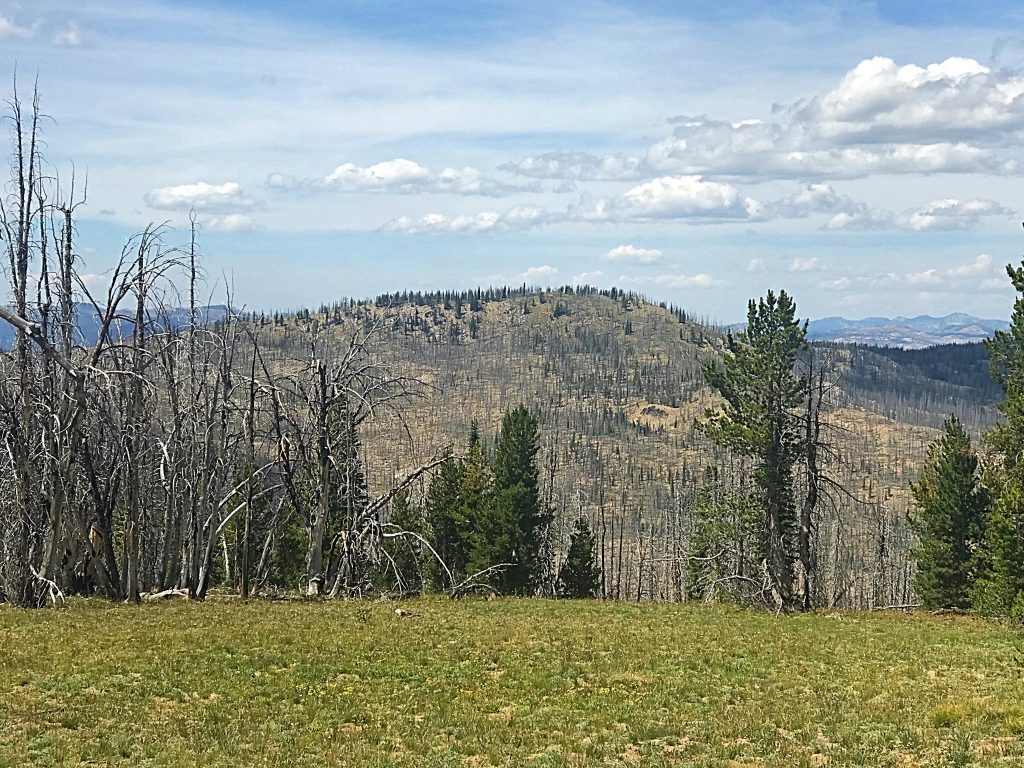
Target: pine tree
(949, 521)
(723, 541)
(510, 527)
(475, 487)
(580, 575)
(760, 389)
(448, 529)
(1001, 590)
(402, 566)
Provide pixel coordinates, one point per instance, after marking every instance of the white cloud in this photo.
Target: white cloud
(232, 222)
(632, 253)
(879, 101)
(517, 218)
(793, 152)
(756, 265)
(10, 29)
(805, 265)
(398, 174)
(952, 214)
(402, 176)
(982, 265)
(689, 198)
(881, 118)
(979, 275)
(811, 199)
(862, 219)
(588, 278)
(672, 197)
(700, 280)
(578, 166)
(470, 181)
(536, 275)
(72, 35)
(201, 196)
(925, 277)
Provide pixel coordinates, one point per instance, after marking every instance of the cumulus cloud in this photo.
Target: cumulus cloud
(515, 219)
(952, 214)
(578, 166)
(403, 176)
(795, 151)
(398, 174)
(11, 29)
(232, 222)
(535, 275)
(820, 198)
(632, 253)
(671, 197)
(954, 116)
(881, 101)
(700, 280)
(587, 278)
(980, 275)
(863, 218)
(686, 198)
(982, 265)
(942, 215)
(805, 265)
(674, 197)
(71, 36)
(202, 196)
(756, 265)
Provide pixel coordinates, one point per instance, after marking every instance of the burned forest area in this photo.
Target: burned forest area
(457, 442)
(526, 523)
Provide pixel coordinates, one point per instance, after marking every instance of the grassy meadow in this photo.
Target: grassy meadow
(506, 682)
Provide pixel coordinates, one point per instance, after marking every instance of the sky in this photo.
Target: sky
(864, 156)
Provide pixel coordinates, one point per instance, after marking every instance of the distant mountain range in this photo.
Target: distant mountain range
(88, 322)
(906, 332)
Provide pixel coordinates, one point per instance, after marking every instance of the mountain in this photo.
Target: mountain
(616, 382)
(87, 322)
(906, 332)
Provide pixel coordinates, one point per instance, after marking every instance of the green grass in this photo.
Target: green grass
(508, 682)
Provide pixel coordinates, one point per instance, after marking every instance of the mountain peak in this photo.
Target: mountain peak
(907, 332)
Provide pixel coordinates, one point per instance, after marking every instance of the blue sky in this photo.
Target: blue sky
(864, 156)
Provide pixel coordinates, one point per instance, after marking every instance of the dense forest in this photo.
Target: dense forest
(572, 442)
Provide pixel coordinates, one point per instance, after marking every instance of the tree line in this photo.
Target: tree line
(969, 515)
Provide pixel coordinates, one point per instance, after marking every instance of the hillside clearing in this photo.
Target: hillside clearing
(508, 682)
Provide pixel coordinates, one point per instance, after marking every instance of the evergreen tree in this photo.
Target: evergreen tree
(1001, 590)
(580, 575)
(288, 556)
(949, 521)
(757, 381)
(402, 567)
(724, 541)
(511, 525)
(448, 529)
(475, 486)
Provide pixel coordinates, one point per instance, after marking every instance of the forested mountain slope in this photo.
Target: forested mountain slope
(616, 381)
